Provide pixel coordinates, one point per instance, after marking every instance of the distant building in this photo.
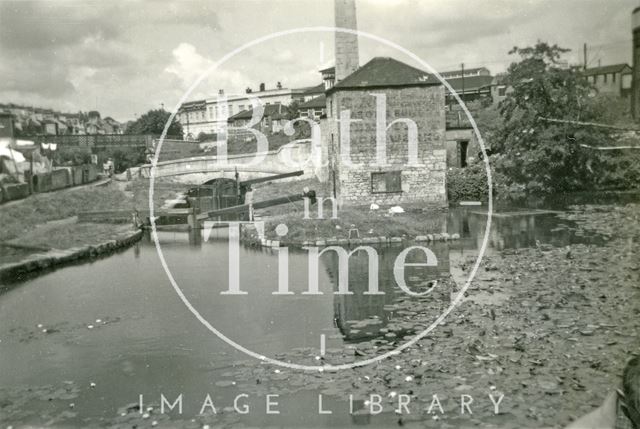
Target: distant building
(499, 88)
(615, 79)
(193, 118)
(273, 119)
(210, 116)
(50, 127)
(6, 125)
(312, 92)
(473, 85)
(315, 108)
(328, 77)
(453, 74)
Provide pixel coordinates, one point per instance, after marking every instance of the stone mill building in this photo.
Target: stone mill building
(412, 105)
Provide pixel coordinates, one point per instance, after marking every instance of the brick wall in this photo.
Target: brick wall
(425, 106)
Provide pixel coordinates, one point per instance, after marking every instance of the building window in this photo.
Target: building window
(385, 182)
(613, 77)
(502, 91)
(605, 78)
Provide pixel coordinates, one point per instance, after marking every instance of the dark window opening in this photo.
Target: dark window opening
(386, 182)
(463, 146)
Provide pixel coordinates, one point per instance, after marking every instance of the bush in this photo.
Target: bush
(467, 184)
(207, 137)
(470, 184)
(123, 158)
(72, 155)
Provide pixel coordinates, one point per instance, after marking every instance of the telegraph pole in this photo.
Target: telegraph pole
(584, 52)
(635, 77)
(462, 81)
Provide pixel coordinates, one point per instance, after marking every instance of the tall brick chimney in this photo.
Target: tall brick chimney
(346, 49)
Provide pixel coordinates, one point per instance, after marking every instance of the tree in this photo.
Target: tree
(292, 110)
(538, 155)
(153, 122)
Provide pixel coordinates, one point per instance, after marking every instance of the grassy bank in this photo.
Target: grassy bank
(18, 219)
(418, 219)
(163, 190)
(49, 220)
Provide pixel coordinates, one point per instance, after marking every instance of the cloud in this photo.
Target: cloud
(36, 25)
(284, 55)
(188, 65)
(70, 53)
(133, 55)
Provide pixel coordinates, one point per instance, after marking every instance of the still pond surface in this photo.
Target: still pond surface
(115, 328)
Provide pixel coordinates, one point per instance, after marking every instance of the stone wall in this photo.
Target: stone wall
(454, 138)
(425, 106)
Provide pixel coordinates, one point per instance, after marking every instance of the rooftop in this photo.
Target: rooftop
(315, 103)
(331, 69)
(274, 111)
(386, 72)
(613, 68)
(470, 83)
(467, 72)
(317, 89)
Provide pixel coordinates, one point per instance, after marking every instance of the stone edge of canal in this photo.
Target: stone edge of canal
(15, 271)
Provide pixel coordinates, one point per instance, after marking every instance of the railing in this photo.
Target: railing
(282, 160)
(95, 140)
(457, 120)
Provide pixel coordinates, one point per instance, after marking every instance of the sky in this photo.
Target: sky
(126, 57)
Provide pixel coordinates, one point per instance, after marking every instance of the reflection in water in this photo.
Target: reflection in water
(361, 316)
(514, 229)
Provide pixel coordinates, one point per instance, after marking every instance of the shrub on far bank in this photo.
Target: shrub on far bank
(72, 155)
(470, 184)
(467, 184)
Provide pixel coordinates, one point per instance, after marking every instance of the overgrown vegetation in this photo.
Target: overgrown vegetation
(153, 122)
(72, 155)
(123, 158)
(467, 184)
(533, 155)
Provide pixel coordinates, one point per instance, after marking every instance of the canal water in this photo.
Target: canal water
(79, 343)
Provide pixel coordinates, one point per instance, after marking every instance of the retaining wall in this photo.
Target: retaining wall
(60, 178)
(14, 191)
(16, 271)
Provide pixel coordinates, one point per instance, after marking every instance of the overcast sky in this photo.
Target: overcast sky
(126, 57)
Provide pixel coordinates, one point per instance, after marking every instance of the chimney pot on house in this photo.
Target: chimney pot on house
(261, 87)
